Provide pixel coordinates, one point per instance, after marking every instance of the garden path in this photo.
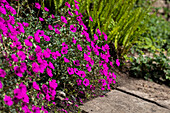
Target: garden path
(132, 96)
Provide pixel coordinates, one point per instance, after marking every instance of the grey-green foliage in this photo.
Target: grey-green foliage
(156, 68)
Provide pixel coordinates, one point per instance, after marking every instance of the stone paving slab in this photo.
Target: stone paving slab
(146, 96)
(120, 102)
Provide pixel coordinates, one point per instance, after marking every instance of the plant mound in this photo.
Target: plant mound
(49, 59)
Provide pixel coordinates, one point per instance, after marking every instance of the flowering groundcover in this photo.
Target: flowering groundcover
(39, 60)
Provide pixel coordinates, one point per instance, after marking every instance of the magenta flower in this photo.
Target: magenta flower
(88, 67)
(22, 55)
(45, 111)
(25, 24)
(35, 109)
(96, 51)
(52, 16)
(70, 13)
(13, 11)
(40, 32)
(37, 38)
(81, 22)
(86, 57)
(88, 53)
(109, 79)
(35, 86)
(106, 46)
(2, 10)
(72, 28)
(58, 54)
(68, 5)
(64, 45)
(111, 64)
(95, 37)
(92, 87)
(79, 18)
(64, 50)
(41, 19)
(12, 20)
(53, 93)
(66, 60)
(45, 88)
(57, 26)
(41, 68)
(50, 27)
(70, 71)
(51, 65)
(14, 58)
(90, 18)
(74, 41)
(46, 54)
(53, 85)
(35, 67)
(88, 48)
(105, 36)
(46, 9)
(86, 82)
(76, 71)
(79, 82)
(23, 67)
(30, 37)
(85, 28)
(17, 93)
(76, 6)
(25, 98)
(39, 58)
(31, 57)
(37, 5)
(38, 49)
(79, 47)
(49, 72)
(113, 75)
(63, 19)
(103, 48)
(46, 38)
(48, 97)
(18, 71)
(27, 42)
(82, 74)
(54, 55)
(18, 45)
(77, 63)
(21, 27)
(8, 101)
(102, 87)
(117, 62)
(76, 2)
(23, 87)
(57, 31)
(98, 31)
(1, 85)
(103, 81)
(48, 50)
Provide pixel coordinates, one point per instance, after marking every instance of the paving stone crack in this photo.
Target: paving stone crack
(129, 93)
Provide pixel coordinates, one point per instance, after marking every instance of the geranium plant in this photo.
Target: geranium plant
(41, 56)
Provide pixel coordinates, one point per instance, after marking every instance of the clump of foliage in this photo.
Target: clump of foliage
(156, 69)
(156, 36)
(42, 56)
